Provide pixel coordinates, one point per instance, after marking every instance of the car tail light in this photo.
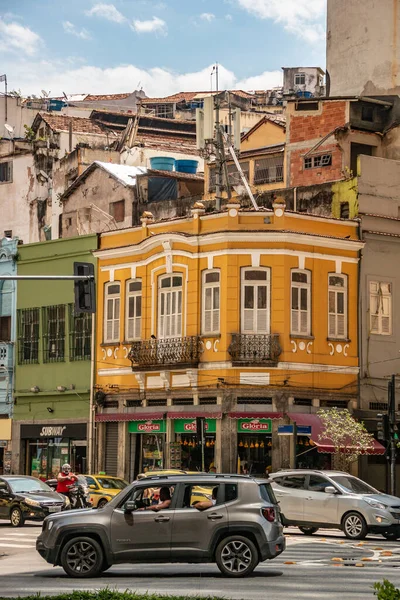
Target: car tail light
(269, 514)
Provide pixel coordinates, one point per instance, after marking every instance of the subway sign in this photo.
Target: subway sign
(189, 426)
(147, 426)
(254, 426)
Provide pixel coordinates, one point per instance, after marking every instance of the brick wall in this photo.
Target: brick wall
(303, 177)
(308, 126)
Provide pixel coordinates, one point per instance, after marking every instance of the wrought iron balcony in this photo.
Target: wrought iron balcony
(147, 354)
(255, 349)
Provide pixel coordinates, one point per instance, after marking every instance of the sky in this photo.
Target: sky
(162, 46)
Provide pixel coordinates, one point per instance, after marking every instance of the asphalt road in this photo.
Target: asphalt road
(324, 566)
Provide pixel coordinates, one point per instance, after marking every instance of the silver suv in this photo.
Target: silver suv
(333, 499)
(236, 524)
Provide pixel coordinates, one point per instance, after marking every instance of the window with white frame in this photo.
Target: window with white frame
(133, 311)
(300, 79)
(337, 306)
(170, 306)
(255, 301)
(300, 302)
(112, 308)
(211, 301)
(380, 307)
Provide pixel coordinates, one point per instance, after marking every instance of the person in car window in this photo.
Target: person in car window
(202, 505)
(165, 500)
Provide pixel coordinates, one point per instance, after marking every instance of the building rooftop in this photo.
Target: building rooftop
(59, 122)
(189, 96)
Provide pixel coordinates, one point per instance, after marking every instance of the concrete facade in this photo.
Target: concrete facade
(363, 47)
(313, 81)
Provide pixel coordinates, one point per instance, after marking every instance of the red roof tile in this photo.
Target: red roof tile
(79, 124)
(188, 96)
(96, 97)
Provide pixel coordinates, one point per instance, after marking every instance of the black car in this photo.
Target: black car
(25, 498)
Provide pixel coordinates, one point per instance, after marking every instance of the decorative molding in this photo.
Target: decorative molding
(345, 348)
(308, 349)
(166, 379)
(126, 351)
(141, 379)
(215, 345)
(332, 347)
(294, 349)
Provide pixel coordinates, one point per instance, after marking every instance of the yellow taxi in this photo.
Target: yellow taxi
(103, 488)
(199, 493)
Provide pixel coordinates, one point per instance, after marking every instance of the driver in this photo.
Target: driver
(65, 480)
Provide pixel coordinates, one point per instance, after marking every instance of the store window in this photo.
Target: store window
(170, 307)
(28, 335)
(133, 310)
(211, 301)
(53, 333)
(80, 335)
(112, 312)
(254, 446)
(255, 301)
(186, 451)
(337, 306)
(148, 449)
(300, 302)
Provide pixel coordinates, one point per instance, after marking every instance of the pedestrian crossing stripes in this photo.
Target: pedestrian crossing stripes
(18, 539)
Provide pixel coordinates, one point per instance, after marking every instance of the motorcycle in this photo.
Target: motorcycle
(78, 492)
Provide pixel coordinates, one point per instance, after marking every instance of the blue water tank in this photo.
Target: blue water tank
(162, 163)
(186, 166)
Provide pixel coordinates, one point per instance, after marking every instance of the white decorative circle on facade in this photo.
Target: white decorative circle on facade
(279, 212)
(233, 212)
(208, 345)
(331, 346)
(339, 348)
(302, 346)
(294, 349)
(309, 347)
(109, 352)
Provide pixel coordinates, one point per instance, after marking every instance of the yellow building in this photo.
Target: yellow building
(262, 159)
(246, 318)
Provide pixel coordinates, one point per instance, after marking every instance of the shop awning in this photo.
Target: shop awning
(325, 445)
(117, 417)
(5, 429)
(251, 414)
(193, 414)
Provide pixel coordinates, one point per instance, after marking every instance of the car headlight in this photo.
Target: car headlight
(375, 503)
(31, 502)
(67, 501)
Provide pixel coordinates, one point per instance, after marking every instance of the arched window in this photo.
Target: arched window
(255, 316)
(337, 306)
(170, 306)
(133, 310)
(211, 301)
(112, 308)
(300, 302)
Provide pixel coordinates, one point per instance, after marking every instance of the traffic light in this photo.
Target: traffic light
(383, 428)
(85, 295)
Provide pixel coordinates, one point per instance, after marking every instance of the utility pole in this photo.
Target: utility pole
(219, 148)
(393, 432)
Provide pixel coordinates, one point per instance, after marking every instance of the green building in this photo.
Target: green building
(53, 361)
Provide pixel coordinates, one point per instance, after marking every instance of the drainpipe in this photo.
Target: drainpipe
(295, 199)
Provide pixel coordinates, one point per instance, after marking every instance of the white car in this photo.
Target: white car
(333, 499)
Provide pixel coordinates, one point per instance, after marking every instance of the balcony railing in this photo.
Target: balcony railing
(255, 348)
(156, 353)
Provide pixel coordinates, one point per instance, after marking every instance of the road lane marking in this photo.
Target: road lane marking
(15, 545)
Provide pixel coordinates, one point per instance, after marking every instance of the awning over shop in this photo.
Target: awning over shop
(118, 417)
(325, 445)
(5, 429)
(251, 414)
(193, 414)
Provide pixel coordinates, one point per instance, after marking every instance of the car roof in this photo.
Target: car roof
(99, 475)
(198, 477)
(307, 472)
(7, 477)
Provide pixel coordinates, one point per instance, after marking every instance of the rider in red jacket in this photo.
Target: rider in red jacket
(65, 479)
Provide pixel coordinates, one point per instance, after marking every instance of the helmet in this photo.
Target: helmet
(66, 468)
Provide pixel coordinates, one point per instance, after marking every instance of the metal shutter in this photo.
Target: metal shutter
(111, 448)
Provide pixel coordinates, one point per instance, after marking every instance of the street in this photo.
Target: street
(326, 565)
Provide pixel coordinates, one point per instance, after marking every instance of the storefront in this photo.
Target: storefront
(5, 444)
(254, 446)
(149, 449)
(47, 447)
(186, 452)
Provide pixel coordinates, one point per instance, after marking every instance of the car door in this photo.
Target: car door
(5, 499)
(142, 534)
(320, 507)
(290, 491)
(193, 530)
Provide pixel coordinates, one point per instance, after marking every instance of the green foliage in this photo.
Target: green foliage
(349, 437)
(29, 133)
(108, 594)
(386, 591)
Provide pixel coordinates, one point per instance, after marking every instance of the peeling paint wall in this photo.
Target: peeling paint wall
(345, 192)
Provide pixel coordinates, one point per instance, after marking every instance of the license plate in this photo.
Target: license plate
(53, 509)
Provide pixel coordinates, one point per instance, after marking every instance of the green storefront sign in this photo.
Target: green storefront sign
(254, 426)
(147, 427)
(189, 425)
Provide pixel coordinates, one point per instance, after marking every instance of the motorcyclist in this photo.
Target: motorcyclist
(65, 480)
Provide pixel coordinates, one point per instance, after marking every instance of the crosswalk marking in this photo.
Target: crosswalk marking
(7, 545)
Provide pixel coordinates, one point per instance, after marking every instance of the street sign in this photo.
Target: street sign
(288, 429)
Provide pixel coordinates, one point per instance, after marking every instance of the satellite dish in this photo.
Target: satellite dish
(9, 129)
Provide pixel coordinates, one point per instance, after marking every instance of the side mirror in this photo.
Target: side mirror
(92, 486)
(3, 487)
(130, 506)
(330, 490)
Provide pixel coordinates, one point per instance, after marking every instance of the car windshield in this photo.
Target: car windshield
(111, 484)
(28, 485)
(353, 485)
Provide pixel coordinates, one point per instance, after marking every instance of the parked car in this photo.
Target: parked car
(103, 488)
(24, 498)
(240, 528)
(333, 499)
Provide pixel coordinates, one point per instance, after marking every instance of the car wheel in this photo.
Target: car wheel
(102, 503)
(354, 526)
(236, 556)
(391, 535)
(308, 530)
(82, 557)
(16, 517)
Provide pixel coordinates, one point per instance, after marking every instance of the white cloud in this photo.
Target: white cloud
(106, 11)
(63, 76)
(155, 25)
(229, 17)
(207, 17)
(17, 38)
(304, 18)
(83, 34)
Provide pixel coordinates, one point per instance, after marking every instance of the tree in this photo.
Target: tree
(349, 437)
